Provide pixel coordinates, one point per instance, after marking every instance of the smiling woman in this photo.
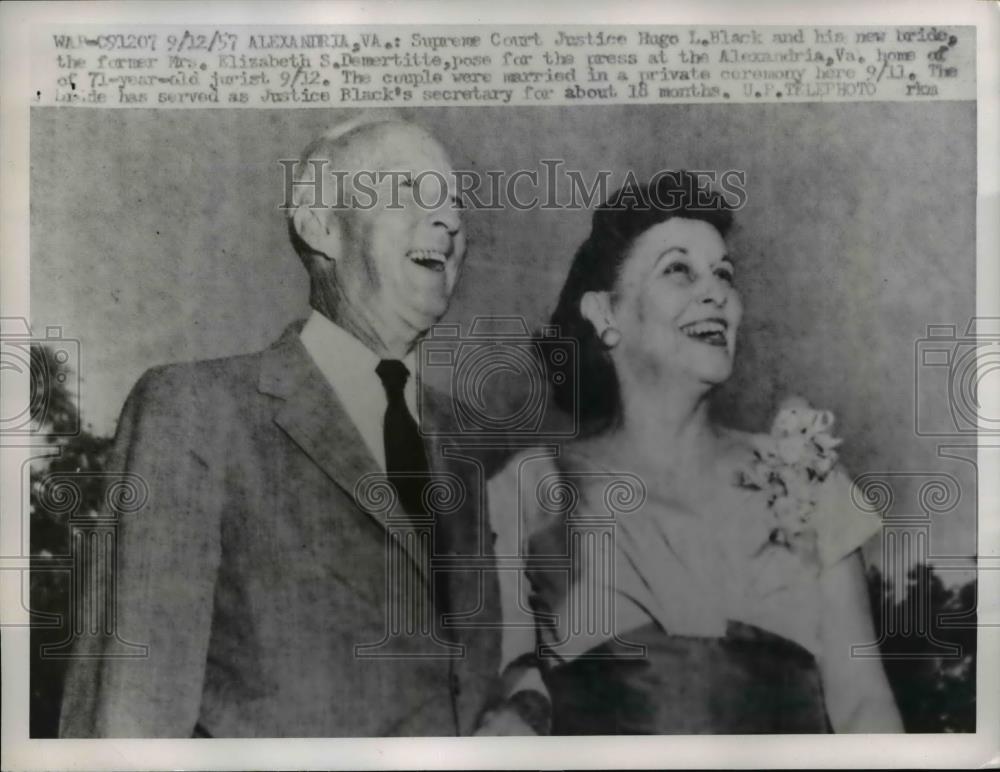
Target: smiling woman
(665, 228)
(691, 603)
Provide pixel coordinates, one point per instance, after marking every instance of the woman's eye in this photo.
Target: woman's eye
(725, 274)
(678, 269)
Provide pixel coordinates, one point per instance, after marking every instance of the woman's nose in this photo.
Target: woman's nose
(716, 292)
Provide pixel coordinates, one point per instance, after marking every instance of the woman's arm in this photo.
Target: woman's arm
(858, 695)
(523, 707)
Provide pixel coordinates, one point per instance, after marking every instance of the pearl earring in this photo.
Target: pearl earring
(610, 337)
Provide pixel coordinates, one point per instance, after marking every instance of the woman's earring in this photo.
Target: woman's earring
(610, 337)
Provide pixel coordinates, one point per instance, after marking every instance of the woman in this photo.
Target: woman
(723, 592)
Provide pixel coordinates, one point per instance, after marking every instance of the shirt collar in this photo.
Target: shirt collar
(331, 346)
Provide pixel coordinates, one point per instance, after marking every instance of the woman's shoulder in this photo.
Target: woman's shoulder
(847, 516)
(739, 441)
(798, 465)
(738, 448)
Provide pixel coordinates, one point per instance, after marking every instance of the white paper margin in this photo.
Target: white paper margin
(771, 751)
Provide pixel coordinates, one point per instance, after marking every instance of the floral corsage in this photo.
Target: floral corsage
(789, 464)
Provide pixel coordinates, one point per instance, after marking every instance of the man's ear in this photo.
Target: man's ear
(320, 229)
(595, 307)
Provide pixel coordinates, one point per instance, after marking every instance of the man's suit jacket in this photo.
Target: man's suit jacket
(255, 571)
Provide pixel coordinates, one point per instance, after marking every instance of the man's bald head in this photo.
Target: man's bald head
(385, 242)
(359, 146)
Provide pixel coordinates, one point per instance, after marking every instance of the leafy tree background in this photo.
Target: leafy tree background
(935, 693)
(57, 419)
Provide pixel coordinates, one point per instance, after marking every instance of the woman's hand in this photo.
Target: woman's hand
(504, 722)
(527, 712)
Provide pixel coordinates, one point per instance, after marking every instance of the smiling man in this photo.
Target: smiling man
(384, 257)
(279, 591)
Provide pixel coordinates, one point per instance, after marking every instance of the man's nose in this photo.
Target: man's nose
(448, 217)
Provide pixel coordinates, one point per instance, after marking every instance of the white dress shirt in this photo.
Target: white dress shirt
(349, 367)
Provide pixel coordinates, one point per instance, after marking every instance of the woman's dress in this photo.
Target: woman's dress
(651, 618)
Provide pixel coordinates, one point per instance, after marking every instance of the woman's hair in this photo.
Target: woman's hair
(590, 388)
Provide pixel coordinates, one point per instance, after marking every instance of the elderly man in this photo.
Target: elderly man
(277, 592)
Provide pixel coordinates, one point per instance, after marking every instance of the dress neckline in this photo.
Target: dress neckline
(661, 499)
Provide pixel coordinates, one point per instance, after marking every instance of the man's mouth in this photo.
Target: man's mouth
(431, 259)
(710, 331)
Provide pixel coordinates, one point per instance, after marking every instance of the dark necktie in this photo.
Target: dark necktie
(407, 468)
(405, 459)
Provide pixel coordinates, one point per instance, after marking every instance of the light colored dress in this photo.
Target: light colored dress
(602, 556)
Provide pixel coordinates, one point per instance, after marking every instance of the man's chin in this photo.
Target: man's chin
(426, 315)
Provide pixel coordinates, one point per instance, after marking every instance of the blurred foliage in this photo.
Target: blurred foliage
(934, 688)
(935, 692)
(55, 416)
(53, 406)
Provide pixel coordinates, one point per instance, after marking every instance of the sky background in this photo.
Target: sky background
(156, 236)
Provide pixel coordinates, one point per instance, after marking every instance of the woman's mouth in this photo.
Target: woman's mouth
(431, 259)
(709, 331)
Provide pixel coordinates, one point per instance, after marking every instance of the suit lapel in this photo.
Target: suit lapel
(313, 416)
